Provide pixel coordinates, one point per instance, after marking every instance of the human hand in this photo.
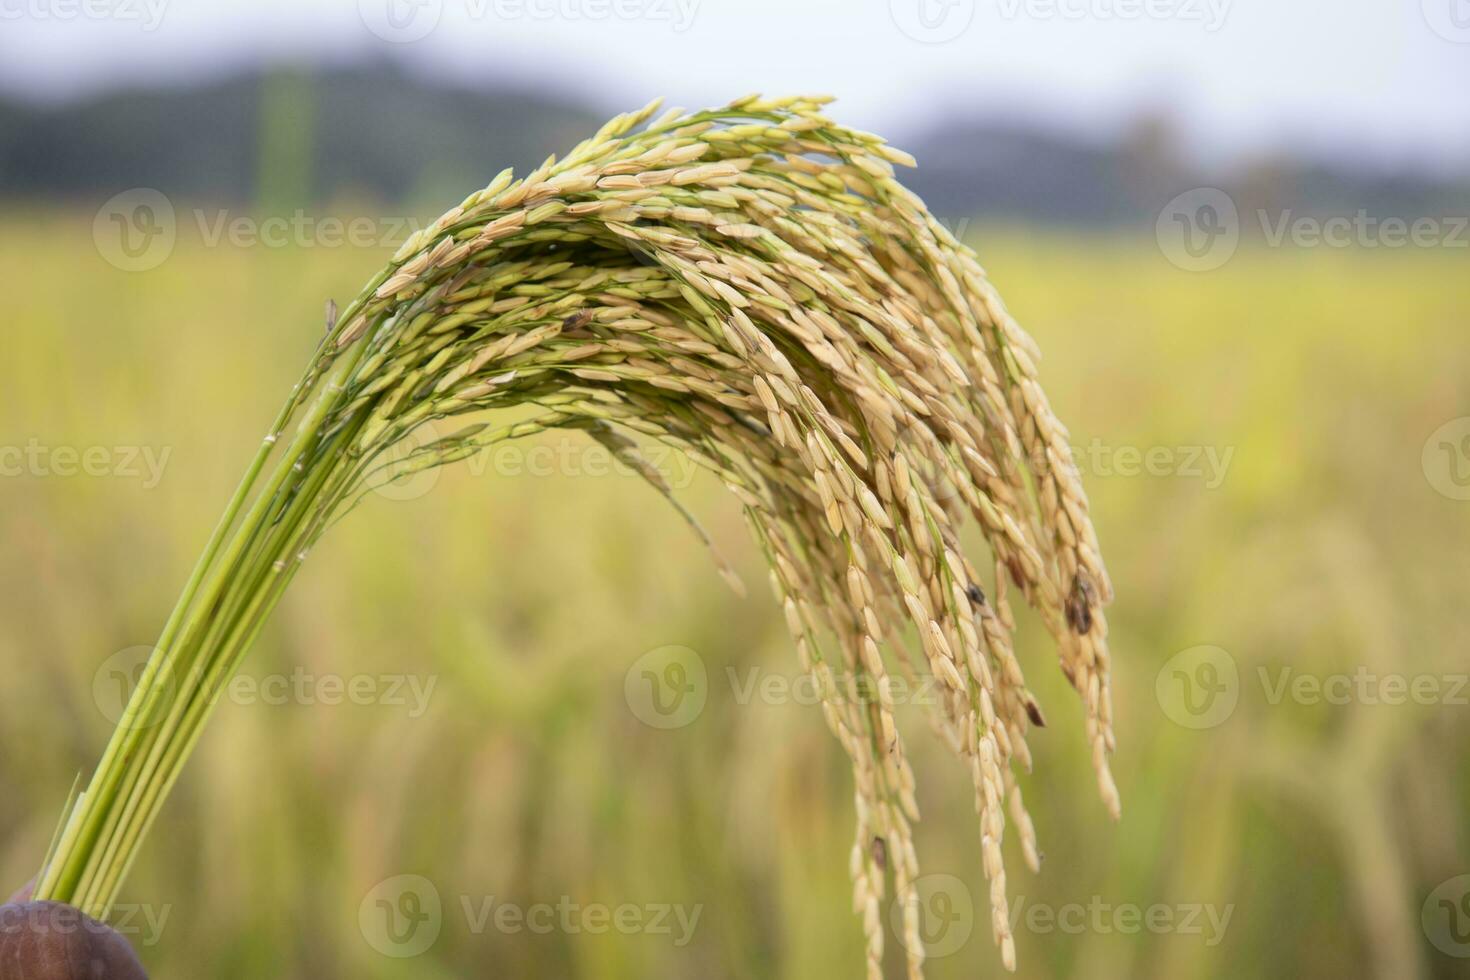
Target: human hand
(52, 941)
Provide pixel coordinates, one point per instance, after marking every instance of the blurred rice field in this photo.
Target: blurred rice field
(1258, 446)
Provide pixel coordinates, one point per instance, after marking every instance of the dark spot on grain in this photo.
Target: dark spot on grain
(1079, 606)
(1017, 576)
(1033, 711)
(577, 320)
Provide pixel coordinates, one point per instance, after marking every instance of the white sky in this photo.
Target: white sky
(1386, 81)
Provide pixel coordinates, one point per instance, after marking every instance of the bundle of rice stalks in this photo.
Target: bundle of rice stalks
(752, 286)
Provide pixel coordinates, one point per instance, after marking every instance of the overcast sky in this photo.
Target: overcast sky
(1386, 80)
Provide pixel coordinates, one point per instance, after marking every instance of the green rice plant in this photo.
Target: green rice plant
(751, 286)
